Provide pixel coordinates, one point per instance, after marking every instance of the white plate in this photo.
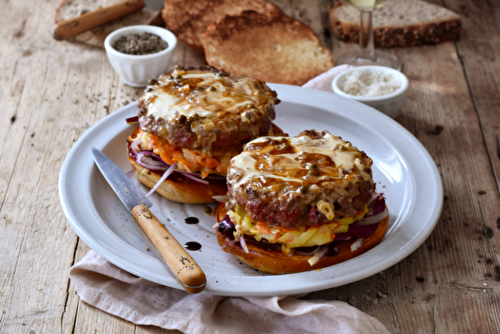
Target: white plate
(403, 171)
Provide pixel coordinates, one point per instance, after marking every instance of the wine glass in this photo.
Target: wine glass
(367, 54)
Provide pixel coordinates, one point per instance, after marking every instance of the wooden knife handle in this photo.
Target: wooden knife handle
(87, 21)
(173, 255)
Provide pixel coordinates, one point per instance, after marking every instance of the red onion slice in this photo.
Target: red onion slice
(319, 255)
(216, 177)
(191, 177)
(221, 198)
(374, 219)
(356, 244)
(312, 252)
(243, 243)
(132, 120)
(135, 145)
(144, 158)
(375, 196)
(169, 171)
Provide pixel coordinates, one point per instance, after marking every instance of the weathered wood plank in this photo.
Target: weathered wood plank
(37, 244)
(478, 49)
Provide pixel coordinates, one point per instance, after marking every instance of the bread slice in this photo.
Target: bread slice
(188, 19)
(69, 9)
(278, 49)
(399, 23)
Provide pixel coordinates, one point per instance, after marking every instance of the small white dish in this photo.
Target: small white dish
(137, 70)
(389, 104)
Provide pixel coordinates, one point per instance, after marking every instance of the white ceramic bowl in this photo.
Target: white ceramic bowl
(389, 104)
(137, 70)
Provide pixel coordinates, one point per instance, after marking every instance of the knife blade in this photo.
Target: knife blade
(182, 266)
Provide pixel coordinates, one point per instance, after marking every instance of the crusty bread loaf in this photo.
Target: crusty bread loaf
(69, 9)
(277, 49)
(188, 19)
(399, 23)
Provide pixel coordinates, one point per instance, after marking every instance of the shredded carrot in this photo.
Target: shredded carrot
(171, 154)
(263, 227)
(166, 151)
(209, 162)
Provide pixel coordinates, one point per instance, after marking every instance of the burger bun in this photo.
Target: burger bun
(271, 260)
(178, 188)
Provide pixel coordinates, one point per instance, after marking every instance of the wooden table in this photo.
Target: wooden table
(52, 92)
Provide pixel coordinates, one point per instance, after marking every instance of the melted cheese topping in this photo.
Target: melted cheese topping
(327, 209)
(292, 237)
(204, 94)
(298, 159)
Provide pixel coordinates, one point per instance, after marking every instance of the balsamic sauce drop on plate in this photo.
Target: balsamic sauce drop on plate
(191, 220)
(192, 245)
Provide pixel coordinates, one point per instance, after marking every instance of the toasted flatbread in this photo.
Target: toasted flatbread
(278, 49)
(69, 9)
(188, 19)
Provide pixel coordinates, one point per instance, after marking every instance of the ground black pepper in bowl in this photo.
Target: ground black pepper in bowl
(143, 43)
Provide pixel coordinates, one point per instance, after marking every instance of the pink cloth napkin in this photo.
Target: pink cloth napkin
(324, 80)
(107, 287)
(101, 284)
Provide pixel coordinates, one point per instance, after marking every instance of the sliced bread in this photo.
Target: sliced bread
(399, 23)
(69, 9)
(188, 19)
(278, 49)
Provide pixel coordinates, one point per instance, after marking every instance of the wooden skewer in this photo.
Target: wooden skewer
(87, 21)
(173, 255)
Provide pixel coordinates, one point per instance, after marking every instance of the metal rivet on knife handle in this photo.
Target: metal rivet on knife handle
(175, 257)
(87, 21)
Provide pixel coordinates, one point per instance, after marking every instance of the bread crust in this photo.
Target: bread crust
(69, 9)
(397, 35)
(188, 19)
(278, 49)
(274, 262)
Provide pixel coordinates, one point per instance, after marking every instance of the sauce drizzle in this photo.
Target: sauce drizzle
(191, 220)
(192, 246)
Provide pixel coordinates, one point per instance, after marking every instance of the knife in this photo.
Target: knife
(87, 21)
(182, 266)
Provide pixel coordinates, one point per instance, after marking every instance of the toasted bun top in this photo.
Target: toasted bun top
(278, 49)
(188, 19)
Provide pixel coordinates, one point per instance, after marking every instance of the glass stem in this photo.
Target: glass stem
(366, 47)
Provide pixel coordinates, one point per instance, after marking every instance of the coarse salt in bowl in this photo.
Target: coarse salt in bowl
(137, 70)
(379, 87)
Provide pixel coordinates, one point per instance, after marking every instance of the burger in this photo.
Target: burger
(192, 122)
(300, 203)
